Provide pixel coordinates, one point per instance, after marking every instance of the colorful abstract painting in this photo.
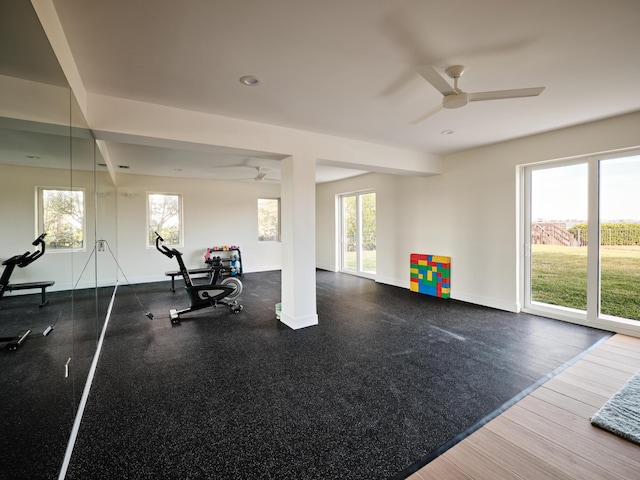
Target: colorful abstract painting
(431, 274)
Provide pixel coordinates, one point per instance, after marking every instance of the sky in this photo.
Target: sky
(561, 193)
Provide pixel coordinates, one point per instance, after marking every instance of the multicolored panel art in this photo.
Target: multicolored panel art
(431, 274)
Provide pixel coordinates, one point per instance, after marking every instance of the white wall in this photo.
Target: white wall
(215, 213)
(482, 187)
(470, 212)
(389, 227)
(18, 226)
(403, 206)
(34, 101)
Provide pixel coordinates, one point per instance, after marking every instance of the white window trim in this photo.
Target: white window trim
(39, 221)
(180, 243)
(279, 239)
(340, 231)
(591, 317)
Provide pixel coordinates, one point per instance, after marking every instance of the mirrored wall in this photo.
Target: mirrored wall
(52, 305)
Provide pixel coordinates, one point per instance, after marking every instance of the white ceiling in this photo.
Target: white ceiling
(348, 67)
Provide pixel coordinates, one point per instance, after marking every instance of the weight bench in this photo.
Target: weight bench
(176, 273)
(28, 286)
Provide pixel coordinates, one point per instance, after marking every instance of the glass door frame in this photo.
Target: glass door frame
(592, 316)
(358, 240)
(528, 305)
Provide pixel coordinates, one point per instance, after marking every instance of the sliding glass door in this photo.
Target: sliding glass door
(557, 267)
(358, 233)
(582, 238)
(619, 252)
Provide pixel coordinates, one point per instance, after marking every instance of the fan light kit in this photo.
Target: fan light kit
(454, 97)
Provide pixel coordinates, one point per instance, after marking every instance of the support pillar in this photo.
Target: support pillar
(298, 230)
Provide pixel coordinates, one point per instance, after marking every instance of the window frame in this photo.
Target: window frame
(342, 233)
(39, 218)
(592, 316)
(150, 241)
(278, 219)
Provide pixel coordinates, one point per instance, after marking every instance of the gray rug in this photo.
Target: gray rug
(621, 414)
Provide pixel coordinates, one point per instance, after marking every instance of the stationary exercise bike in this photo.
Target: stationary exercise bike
(203, 296)
(22, 261)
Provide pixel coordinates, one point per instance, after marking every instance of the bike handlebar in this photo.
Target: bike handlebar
(38, 240)
(162, 248)
(28, 257)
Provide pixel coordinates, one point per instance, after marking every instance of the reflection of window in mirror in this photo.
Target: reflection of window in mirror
(164, 215)
(268, 219)
(61, 217)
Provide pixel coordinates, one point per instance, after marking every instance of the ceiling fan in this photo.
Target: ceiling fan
(261, 172)
(454, 97)
(259, 175)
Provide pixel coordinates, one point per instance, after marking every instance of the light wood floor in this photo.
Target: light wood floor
(547, 434)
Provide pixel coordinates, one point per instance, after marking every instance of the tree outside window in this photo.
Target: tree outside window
(61, 217)
(165, 217)
(269, 219)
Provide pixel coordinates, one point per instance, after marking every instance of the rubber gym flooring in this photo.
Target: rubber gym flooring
(384, 381)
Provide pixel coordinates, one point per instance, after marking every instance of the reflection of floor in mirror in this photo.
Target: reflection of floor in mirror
(385, 378)
(42, 380)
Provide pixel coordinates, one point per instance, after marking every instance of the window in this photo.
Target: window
(165, 217)
(268, 219)
(61, 217)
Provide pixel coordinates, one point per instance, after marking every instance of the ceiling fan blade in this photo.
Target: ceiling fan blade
(434, 78)
(500, 94)
(431, 112)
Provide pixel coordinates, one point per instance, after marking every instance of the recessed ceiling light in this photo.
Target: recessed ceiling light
(249, 80)
(446, 132)
(123, 166)
(177, 169)
(33, 157)
(102, 164)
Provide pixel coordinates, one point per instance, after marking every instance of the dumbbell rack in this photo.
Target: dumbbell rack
(225, 258)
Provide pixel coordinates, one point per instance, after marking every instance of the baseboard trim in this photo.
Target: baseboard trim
(299, 322)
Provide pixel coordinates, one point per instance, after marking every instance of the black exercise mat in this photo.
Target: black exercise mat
(386, 377)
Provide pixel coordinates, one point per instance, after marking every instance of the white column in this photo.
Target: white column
(298, 216)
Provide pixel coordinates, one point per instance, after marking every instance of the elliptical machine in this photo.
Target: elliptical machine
(203, 296)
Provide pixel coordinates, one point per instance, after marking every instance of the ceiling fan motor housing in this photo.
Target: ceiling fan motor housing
(455, 101)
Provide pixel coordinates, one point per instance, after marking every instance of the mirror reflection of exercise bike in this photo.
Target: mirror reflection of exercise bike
(22, 261)
(217, 292)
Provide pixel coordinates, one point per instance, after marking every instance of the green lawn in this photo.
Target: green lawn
(368, 261)
(559, 277)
